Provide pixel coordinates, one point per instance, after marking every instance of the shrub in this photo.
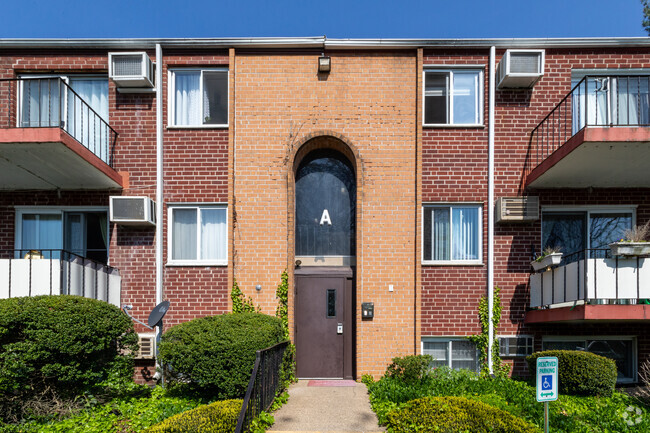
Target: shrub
(219, 417)
(455, 414)
(409, 369)
(61, 345)
(214, 356)
(580, 373)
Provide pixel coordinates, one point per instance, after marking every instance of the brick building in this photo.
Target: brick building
(396, 181)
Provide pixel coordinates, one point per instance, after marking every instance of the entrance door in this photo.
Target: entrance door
(323, 328)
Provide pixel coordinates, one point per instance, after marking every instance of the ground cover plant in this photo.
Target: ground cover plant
(616, 413)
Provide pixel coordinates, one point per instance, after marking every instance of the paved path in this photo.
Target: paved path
(326, 406)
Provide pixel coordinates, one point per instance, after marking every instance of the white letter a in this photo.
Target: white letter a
(325, 218)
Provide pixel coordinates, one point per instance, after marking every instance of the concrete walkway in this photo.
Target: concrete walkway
(326, 406)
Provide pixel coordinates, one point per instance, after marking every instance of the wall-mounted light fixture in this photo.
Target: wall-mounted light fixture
(324, 64)
(258, 287)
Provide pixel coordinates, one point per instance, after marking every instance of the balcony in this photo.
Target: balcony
(51, 139)
(591, 285)
(57, 272)
(597, 136)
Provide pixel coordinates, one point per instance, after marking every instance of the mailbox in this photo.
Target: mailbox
(367, 310)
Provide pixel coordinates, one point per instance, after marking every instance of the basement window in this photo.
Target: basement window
(516, 346)
(198, 98)
(455, 353)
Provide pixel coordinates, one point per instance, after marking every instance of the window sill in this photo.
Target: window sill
(449, 125)
(194, 263)
(453, 263)
(197, 126)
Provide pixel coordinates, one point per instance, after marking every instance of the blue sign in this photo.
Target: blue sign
(547, 369)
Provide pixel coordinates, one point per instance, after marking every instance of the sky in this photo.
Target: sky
(332, 18)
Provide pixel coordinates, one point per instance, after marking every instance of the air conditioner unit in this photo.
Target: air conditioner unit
(147, 343)
(133, 211)
(133, 69)
(520, 69)
(517, 209)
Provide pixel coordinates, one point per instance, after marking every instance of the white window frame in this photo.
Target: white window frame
(450, 102)
(170, 225)
(56, 210)
(478, 261)
(171, 97)
(588, 210)
(585, 338)
(507, 339)
(449, 341)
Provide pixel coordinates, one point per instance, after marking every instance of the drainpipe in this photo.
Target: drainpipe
(159, 198)
(490, 244)
(159, 176)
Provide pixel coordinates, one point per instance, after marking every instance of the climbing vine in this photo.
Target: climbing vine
(288, 374)
(481, 340)
(240, 302)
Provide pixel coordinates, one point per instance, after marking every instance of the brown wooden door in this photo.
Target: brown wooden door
(322, 330)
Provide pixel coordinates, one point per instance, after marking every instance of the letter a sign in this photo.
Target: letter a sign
(325, 218)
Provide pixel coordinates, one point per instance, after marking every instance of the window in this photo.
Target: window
(454, 353)
(621, 349)
(198, 235)
(50, 230)
(516, 346)
(199, 98)
(453, 97)
(580, 230)
(452, 234)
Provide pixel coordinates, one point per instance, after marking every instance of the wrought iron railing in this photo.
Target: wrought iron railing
(51, 102)
(593, 276)
(610, 101)
(263, 385)
(56, 272)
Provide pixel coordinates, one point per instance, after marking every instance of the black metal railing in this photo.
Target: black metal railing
(26, 272)
(263, 385)
(51, 102)
(582, 282)
(595, 101)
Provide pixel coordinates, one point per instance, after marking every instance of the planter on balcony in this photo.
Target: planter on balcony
(547, 261)
(630, 248)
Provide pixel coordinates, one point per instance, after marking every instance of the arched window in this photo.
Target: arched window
(325, 205)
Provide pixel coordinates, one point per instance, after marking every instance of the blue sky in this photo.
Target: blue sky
(334, 18)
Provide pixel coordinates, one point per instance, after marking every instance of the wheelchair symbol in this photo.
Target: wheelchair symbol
(547, 382)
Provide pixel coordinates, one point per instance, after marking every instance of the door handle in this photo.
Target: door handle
(339, 328)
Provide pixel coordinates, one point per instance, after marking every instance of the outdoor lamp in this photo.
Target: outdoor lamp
(324, 64)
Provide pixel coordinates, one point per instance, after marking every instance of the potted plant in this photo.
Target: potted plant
(551, 256)
(634, 243)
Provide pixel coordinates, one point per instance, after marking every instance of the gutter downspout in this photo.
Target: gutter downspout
(490, 230)
(159, 193)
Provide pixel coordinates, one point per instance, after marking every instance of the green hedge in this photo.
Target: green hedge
(409, 369)
(214, 356)
(219, 417)
(455, 414)
(580, 373)
(65, 343)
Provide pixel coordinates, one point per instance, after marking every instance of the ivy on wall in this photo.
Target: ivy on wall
(482, 340)
(240, 302)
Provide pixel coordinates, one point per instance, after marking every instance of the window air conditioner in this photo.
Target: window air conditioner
(133, 69)
(517, 209)
(133, 211)
(147, 343)
(520, 69)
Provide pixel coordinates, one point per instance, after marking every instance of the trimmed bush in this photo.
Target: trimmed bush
(219, 417)
(409, 369)
(214, 356)
(580, 373)
(455, 414)
(66, 344)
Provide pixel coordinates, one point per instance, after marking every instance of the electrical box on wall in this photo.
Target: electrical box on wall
(367, 310)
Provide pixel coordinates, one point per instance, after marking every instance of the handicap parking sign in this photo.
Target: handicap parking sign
(547, 382)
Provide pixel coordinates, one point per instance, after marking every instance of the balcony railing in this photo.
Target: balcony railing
(608, 101)
(51, 102)
(592, 276)
(56, 272)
